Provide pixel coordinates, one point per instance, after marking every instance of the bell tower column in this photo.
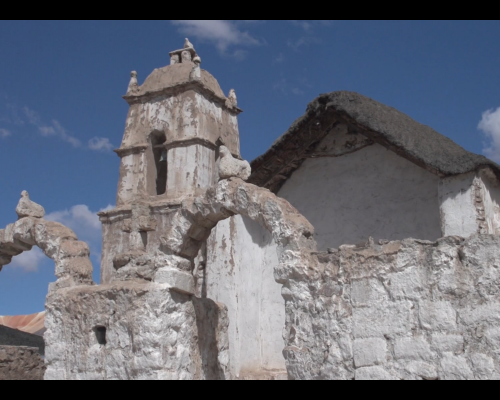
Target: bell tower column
(177, 120)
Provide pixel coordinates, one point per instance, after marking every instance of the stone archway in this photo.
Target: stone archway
(71, 256)
(291, 232)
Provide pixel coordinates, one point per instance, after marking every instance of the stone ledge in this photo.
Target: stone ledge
(179, 281)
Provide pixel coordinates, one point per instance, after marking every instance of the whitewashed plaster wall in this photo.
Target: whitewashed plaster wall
(190, 167)
(241, 257)
(470, 203)
(457, 202)
(371, 192)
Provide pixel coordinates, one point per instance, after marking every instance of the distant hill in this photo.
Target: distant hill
(34, 323)
(13, 337)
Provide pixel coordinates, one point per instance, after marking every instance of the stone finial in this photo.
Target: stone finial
(174, 59)
(230, 167)
(28, 208)
(188, 44)
(133, 85)
(197, 60)
(233, 100)
(186, 56)
(195, 74)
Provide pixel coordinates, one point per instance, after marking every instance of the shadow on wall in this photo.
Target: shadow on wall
(260, 236)
(212, 323)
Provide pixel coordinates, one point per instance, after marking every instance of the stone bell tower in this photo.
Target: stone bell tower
(178, 119)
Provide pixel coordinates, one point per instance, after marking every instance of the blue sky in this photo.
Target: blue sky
(61, 111)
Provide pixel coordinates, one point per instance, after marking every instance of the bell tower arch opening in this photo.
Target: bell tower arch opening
(157, 140)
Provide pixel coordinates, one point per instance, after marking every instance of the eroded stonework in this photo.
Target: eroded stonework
(177, 301)
(397, 310)
(21, 364)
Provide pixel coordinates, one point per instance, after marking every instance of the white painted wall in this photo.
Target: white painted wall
(190, 168)
(372, 192)
(458, 211)
(241, 257)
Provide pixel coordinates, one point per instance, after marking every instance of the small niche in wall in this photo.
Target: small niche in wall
(100, 335)
(160, 157)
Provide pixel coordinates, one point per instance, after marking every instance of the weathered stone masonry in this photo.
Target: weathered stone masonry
(177, 302)
(397, 310)
(20, 364)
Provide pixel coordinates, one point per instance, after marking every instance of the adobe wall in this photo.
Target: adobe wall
(371, 192)
(21, 364)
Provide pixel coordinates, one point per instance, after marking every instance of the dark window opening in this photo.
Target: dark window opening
(144, 238)
(160, 155)
(100, 334)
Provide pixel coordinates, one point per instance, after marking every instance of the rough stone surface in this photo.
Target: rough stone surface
(27, 208)
(398, 296)
(153, 329)
(230, 167)
(21, 364)
(151, 333)
(383, 310)
(399, 310)
(73, 266)
(368, 352)
(133, 86)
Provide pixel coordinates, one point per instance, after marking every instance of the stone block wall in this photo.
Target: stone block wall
(408, 310)
(21, 364)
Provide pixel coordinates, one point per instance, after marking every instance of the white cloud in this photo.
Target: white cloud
(223, 34)
(85, 223)
(302, 41)
(54, 129)
(78, 218)
(309, 25)
(29, 261)
(100, 144)
(490, 125)
(4, 133)
(286, 88)
(305, 25)
(308, 38)
(279, 58)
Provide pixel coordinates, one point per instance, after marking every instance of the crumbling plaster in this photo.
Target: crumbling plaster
(469, 204)
(220, 279)
(408, 309)
(183, 118)
(139, 312)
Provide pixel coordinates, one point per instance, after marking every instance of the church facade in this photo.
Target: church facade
(361, 245)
